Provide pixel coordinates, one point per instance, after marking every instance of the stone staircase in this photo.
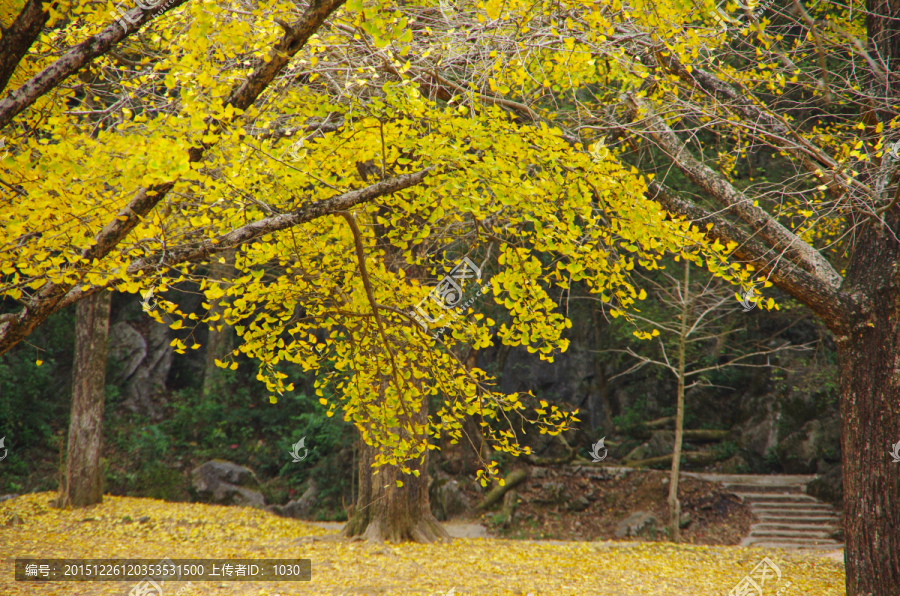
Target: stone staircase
(786, 517)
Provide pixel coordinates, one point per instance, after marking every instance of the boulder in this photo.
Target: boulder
(759, 431)
(579, 503)
(801, 451)
(139, 364)
(661, 442)
(635, 524)
(829, 486)
(733, 465)
(225, 483)
(302, 507)
(447, 499)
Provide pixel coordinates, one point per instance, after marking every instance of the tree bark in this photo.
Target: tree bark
(674, 503)
(386, 512)
(83, 482)
(221, 336)
(869, 360)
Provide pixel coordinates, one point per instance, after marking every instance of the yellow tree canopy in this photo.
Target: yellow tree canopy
(354, 164)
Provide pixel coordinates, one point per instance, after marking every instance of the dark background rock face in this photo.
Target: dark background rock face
(139, 361)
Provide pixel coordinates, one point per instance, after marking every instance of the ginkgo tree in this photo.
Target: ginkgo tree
(697, 93)
(265, 127)
(700, 92)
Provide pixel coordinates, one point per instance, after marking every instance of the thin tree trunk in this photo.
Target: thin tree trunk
(674, 504)
(221, 337)
(83, 482)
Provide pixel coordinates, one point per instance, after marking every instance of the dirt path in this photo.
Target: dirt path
(455, 529)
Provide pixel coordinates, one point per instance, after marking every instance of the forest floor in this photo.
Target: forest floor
(548, 507)
(135, 528)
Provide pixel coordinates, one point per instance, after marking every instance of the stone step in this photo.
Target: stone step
(776, 498)
(767, 489)
(791, 518)
(812, 535)
(760, 479)
(790, 544)
(805, 506)
(789, 527)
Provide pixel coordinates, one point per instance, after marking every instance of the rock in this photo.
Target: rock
(733, 465)
(275, 510)
(539, 473)
(661, 443)
(553, 493)
(759, 432)
(447, 499)
(7, 497)
(638, 453)
(829, 486)
(302, 507)
(225, 483)
(579, 503)
(139, 364)
(800, 451)
(635, 524)
(685, 521)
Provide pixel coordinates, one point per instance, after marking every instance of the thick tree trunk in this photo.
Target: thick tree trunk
(869, 357)
(386, 512)
(83, 482)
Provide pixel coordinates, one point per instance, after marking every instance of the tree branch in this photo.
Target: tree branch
(826, 301)
(16, 40)
(766, 227)
(96, 45)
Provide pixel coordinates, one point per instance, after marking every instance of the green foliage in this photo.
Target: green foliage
(633, 417)
(725, 450)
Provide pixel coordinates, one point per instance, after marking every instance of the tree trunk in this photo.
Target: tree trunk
(674, 504)
(221, 336)
(386, 512)
(83, 482)
(869, 359)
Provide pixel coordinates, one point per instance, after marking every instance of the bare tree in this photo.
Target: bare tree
(696, 319)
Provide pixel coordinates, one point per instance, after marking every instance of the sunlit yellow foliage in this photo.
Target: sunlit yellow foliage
(381, 91)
